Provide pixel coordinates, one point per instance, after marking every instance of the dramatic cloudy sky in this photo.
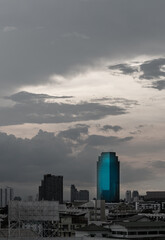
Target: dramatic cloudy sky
(78, 77)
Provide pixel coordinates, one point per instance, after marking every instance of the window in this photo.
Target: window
(92, 235)
(104, 235)
(152, 232)
(131, 233)
(142, 233)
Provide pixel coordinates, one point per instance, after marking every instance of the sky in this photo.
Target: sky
(79, 77)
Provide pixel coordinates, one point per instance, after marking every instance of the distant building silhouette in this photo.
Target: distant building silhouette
(73, 193)
(6, 195)
(128, 196)
(17, 198)
(83, 195)
(155, 196)
(108, 177)
(135, 196)
(51, 188)
(78, 195)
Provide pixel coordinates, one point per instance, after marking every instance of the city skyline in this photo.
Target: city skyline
(81, 77)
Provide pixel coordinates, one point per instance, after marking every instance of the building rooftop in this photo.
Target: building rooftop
(92, 227)
(141, 224)
(137, 218)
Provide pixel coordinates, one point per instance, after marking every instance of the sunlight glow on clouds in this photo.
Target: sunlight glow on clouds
(91, 84)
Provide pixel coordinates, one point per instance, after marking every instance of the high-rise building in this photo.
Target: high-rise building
(9, 195)
(73, 193)
(135, 196)
(6, 195)
(108, 177)
(82, 195)
(128, 196)
(51, 188)
(1, 198)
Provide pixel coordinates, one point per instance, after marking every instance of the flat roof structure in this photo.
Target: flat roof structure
(138, 230)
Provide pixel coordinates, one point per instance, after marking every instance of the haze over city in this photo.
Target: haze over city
(80, 77)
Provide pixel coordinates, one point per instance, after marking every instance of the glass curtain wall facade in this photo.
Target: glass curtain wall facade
(108, 177)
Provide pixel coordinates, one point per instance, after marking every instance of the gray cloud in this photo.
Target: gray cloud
(122, 101)
(159, 85)
(158, 164)
(124, 68)
(98, 140)
(136, 132)
(135, 174)
(49, 153)
(25, 161)
(57, 37)
(152, 69)
(75, 133)
(115, 128)
(33, 157)
(26, 110)
(9, 28)
(32, 97)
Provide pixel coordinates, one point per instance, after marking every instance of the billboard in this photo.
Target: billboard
(34, 211)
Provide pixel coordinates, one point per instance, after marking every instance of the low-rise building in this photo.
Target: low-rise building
(95, 210)
(92, 230)
(155, 196)
(148, 206)
(138, 230)
(69, 222)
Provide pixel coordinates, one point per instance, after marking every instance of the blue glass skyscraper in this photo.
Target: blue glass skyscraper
(108, 177)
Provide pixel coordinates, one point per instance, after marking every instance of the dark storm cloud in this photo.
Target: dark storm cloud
(28, 97)
(115, 128)
(152, 69)
(135, 174)
(27, 160)
(33, 157)
(158, 164)
(75, 133)
(27, 111)
(124, 68)
(47, 153)
(98, 140)
(159, 85)
(41, 38)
